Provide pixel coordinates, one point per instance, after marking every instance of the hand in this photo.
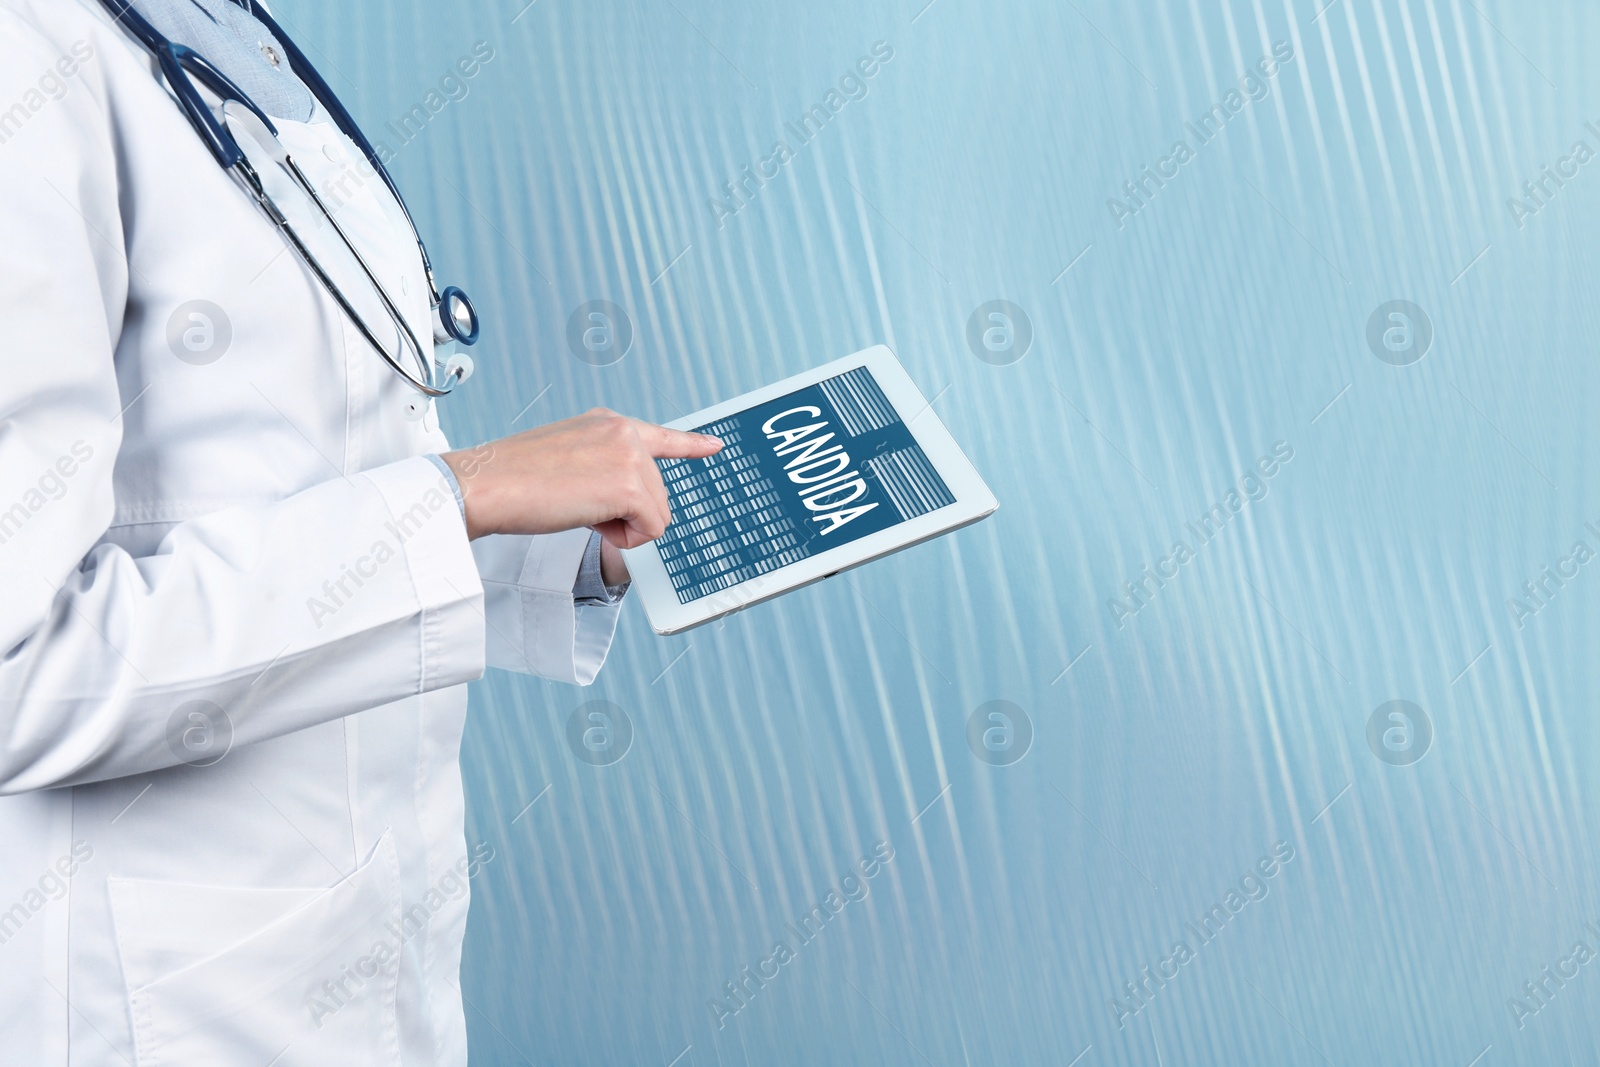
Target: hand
(596, 470)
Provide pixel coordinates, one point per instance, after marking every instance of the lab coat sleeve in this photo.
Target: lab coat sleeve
(247, 616)
(534, 626)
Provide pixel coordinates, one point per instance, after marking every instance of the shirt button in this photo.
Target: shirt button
(332, 153)
(271, 53)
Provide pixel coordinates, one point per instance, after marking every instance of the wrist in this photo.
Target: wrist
(613, 568)
(468, 467)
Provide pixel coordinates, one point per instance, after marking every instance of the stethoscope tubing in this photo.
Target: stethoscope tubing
(179, 63)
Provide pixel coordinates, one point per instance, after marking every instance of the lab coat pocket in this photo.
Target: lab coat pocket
(237, 975)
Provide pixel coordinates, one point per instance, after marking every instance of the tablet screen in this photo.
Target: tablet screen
(811, 470)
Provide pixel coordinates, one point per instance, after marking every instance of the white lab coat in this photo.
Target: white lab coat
(168, 530)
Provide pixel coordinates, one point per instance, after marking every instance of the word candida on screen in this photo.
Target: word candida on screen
(806, 929)
(821, 470)
(1254, 85)
(1543, 587)
(1542, 990)
(1252, 887)
(1551, 180)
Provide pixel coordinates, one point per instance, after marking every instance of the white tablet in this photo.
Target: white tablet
(818, 473)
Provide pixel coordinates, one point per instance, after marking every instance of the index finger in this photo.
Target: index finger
(663, 443)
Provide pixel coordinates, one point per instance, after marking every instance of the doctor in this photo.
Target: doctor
(243, 581)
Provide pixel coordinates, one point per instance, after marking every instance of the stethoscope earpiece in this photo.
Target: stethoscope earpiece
(459, 367)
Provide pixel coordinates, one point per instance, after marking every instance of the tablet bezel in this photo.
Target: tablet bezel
(973, 501)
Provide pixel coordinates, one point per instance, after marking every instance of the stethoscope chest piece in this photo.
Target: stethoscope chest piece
(458, 319)
(455, 319)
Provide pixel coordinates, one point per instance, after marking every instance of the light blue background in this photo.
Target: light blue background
(772, 751)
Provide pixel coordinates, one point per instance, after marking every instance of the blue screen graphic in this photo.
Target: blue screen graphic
(816, 468)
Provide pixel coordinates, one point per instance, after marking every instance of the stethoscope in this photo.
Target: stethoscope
(454, 317)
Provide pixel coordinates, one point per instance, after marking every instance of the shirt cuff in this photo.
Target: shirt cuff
(591, 588)
(450, 477)
(534, 624)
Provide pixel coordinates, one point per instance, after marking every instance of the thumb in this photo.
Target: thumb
(620, 533)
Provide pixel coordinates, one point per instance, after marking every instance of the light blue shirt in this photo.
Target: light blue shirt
(237, 44)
